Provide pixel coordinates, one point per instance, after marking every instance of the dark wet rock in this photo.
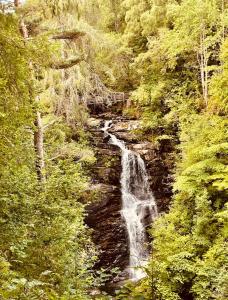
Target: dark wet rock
(106, 107)
(128, 137)
(109, 230)
(103, 216)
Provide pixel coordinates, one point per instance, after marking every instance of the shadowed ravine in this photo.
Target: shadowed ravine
(138, 203)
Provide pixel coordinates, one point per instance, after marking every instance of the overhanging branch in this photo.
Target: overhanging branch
(66, 64)
(68, 35)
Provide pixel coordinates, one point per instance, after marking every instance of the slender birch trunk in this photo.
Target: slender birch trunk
(223, 25)
(38, 133)
(203, 62)
(16, 3)
(39, 146)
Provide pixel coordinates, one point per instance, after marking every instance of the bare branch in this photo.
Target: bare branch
(68, 35)
(66, 64)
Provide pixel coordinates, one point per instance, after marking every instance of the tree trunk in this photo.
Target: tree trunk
(38, 134)
(39, 147)
(16, 3)
(223, 27)
(203, 61)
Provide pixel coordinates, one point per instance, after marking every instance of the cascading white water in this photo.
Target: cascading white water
(138, 203)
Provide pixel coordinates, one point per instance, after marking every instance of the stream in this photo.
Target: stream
(138, 204)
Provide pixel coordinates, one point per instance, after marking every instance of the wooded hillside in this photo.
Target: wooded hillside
(170, 59)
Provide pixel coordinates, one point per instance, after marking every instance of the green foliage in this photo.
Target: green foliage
(176, 46)
(218, 84)
(168, 71)
(45, 249)
(190, 242)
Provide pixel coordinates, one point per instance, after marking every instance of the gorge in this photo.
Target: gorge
(127, 170)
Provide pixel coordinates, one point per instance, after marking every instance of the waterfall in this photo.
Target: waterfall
(138, 204)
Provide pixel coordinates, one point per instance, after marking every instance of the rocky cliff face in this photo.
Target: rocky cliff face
(104, 215)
